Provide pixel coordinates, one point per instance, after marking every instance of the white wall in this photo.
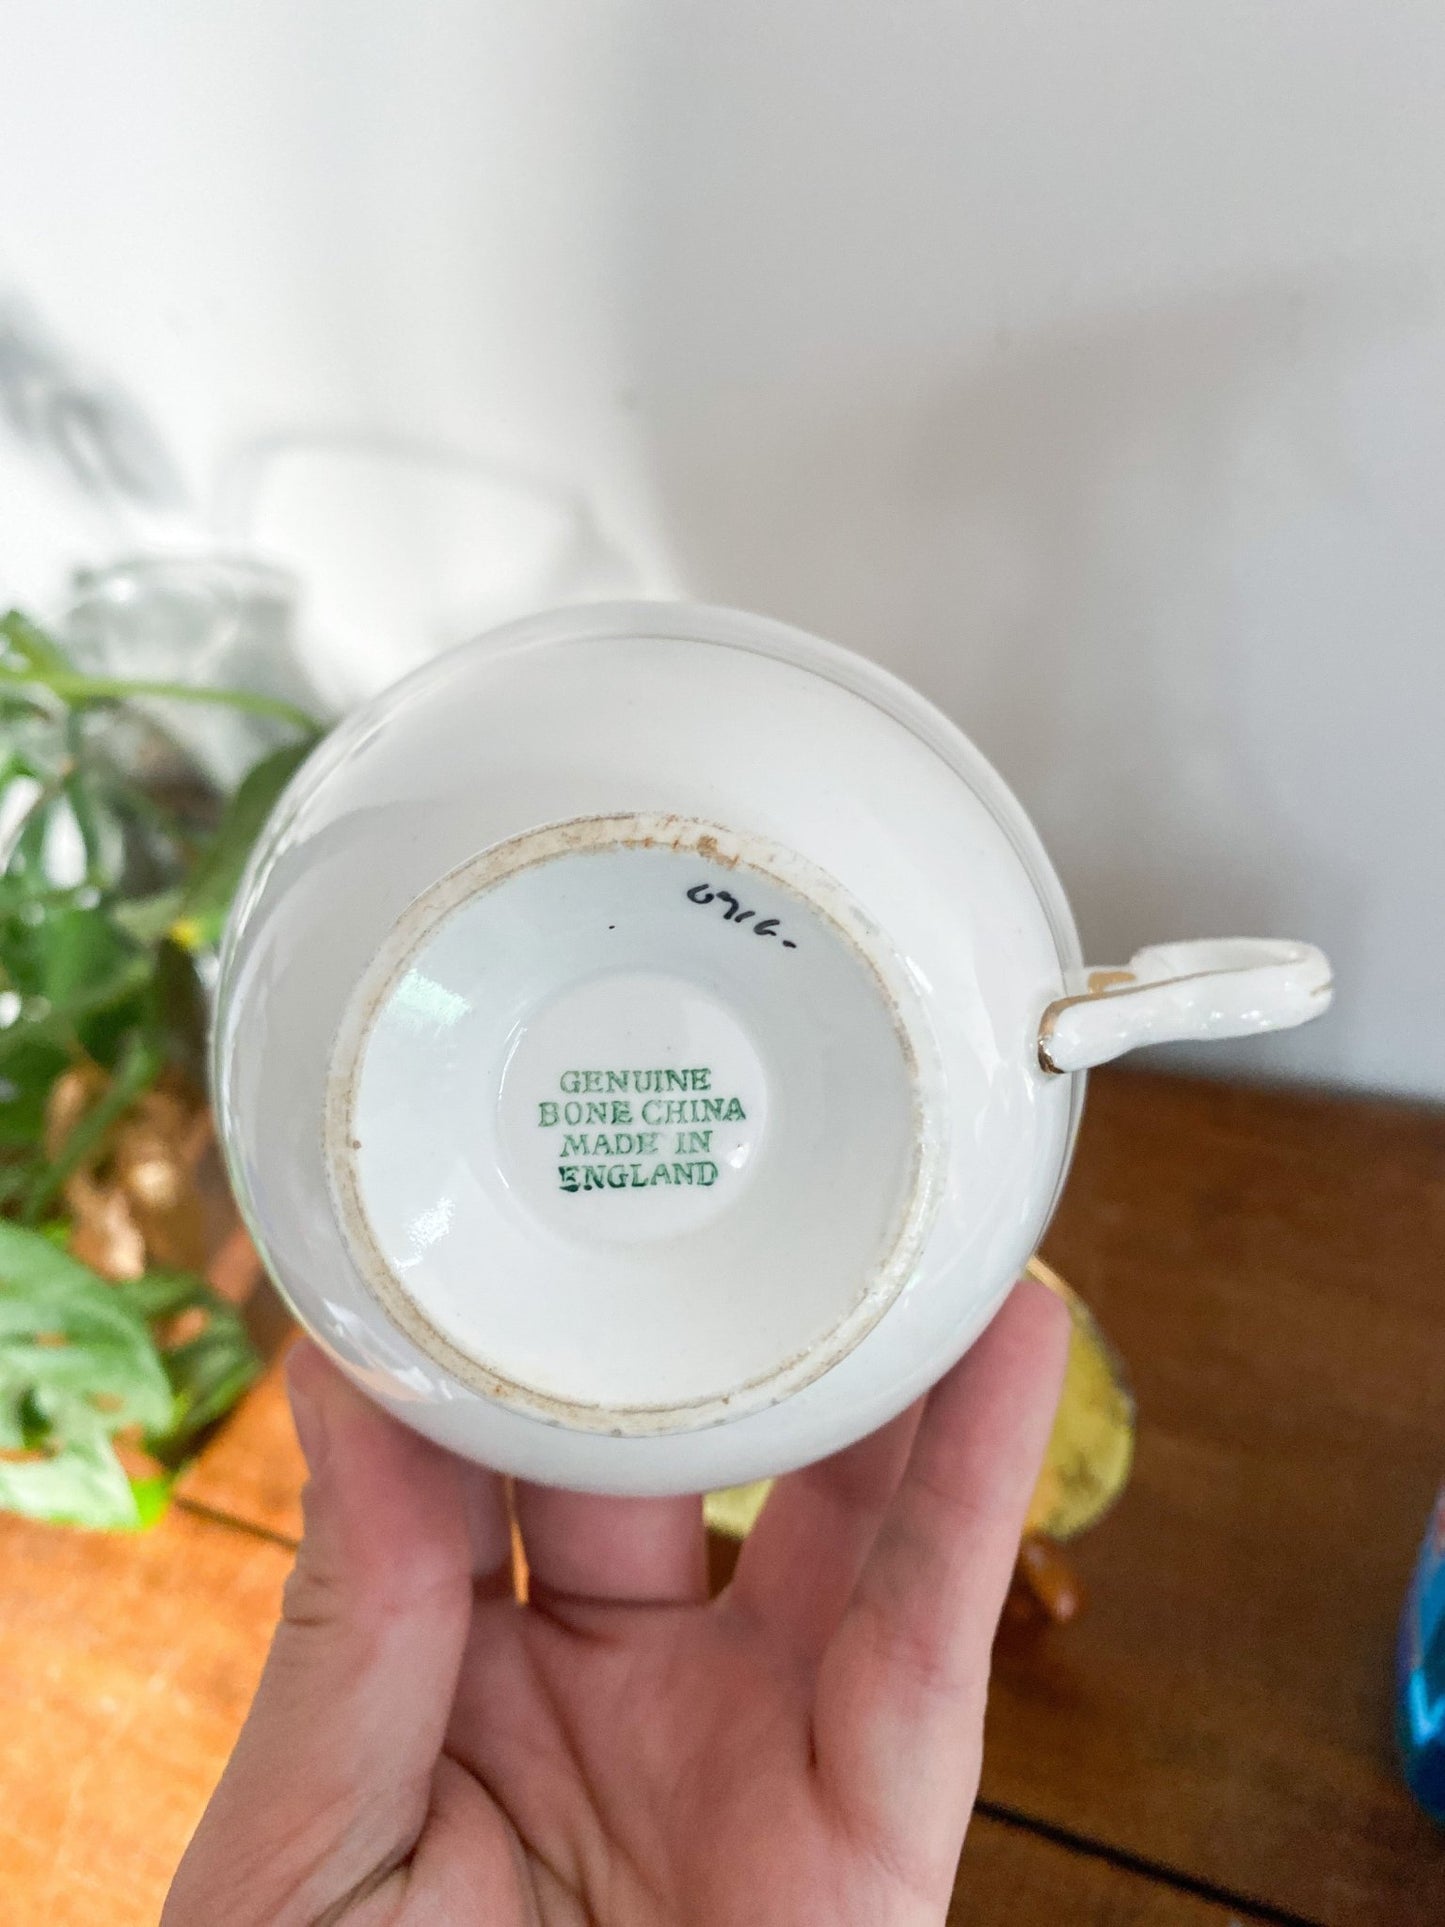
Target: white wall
(1083, 360)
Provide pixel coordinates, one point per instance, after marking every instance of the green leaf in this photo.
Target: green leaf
(18, 705)
(78, 1363)
(182, 1011)
(31, 657)
(101, 834)
(46, 827)
(71, 955)
(28, 647)
(14, 1435)
(147, 919)
(15, 1176)
(152, 1496)
(209, 1372)
(28, 1068)
(71, 1347)
(26, 785)
(209, 893)
(137, 1068)
(161, 1294)
(80, 1483)
(102, 901)
(106, 1035)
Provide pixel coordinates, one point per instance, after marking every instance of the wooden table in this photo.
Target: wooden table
(1208, 1743)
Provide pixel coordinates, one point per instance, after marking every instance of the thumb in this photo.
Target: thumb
(330, 1781)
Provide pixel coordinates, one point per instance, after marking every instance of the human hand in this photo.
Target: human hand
(423, 1751)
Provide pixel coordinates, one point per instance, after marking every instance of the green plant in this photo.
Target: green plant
(117, 863)
(94, 1373)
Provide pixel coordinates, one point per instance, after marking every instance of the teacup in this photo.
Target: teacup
(650, 1043)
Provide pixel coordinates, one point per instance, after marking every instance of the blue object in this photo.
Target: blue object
(1420, 1705)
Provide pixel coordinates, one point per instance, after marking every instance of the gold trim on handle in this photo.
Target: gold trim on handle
(1105, 985)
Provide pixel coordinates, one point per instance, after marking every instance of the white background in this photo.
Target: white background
(1082, 360)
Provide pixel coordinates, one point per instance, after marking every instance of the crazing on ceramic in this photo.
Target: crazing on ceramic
(648, 1045)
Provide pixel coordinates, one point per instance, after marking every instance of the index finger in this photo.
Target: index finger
(898, 1720)
(590, 1550)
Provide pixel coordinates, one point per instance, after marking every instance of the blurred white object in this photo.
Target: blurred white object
(403, 549)
(1085, 363)
(226, 621)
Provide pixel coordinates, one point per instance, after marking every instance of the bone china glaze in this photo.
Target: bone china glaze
(649, 1041)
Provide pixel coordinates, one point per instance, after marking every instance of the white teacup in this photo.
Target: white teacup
(647, 1045)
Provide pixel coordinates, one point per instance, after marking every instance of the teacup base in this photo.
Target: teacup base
(632, 1124)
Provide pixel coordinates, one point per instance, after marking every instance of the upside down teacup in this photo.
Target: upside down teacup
(650, 1041)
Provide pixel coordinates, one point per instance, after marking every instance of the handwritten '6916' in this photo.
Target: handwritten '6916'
(735, 913)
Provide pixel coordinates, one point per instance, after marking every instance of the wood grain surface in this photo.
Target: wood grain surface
(1208, 1742)
(1271, 1267)
(1011, 1877)
(126, 1666)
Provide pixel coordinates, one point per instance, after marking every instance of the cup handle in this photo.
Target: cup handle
(1224, 987)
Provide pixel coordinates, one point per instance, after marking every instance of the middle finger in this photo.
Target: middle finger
(614, 1551)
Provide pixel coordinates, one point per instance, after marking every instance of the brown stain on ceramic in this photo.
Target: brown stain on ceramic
(597, 835)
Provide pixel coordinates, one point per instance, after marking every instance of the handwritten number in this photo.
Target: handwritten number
(734, 913)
